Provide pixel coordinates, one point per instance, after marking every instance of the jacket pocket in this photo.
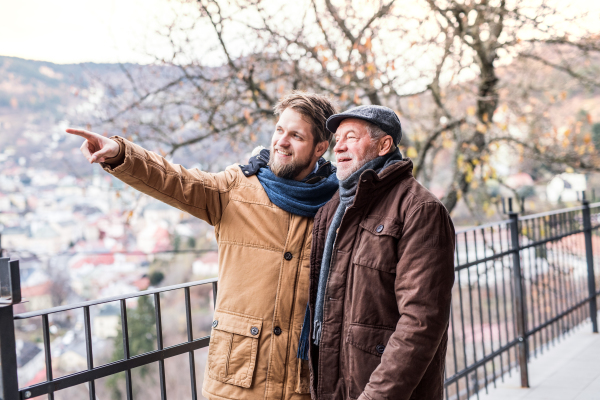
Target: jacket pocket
(366, 346)
(233, 347)
(378, 245)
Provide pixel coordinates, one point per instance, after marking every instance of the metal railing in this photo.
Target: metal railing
(521, 285)
(9, 275)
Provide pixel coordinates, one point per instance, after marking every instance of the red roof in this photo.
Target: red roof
(37, 290)
(95, 259)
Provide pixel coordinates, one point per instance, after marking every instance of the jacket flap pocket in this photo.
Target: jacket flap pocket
(371, 339)
(237, 323)
(380, 225)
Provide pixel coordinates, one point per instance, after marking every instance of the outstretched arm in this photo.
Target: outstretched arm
(202, 194)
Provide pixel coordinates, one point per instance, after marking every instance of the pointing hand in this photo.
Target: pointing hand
(96, 148)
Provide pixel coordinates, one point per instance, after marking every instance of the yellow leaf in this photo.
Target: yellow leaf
(567, 132)
(587, 138)
(471, 111)
(248, 117)
(196, 117)
(411, 152)
(252, 136)
(481, 128)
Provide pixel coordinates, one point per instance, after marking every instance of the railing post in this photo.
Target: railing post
(10, 288)
(589, 255)
(519, 300)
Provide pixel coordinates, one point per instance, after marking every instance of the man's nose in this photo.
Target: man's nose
(284, 140)
(339, 147)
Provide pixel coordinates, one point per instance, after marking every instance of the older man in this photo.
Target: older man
(381, 271)
(263, 224)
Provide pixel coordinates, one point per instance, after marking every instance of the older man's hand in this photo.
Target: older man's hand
(96, 148)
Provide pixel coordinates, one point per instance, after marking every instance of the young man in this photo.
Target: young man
(263, 225)
(382, 269)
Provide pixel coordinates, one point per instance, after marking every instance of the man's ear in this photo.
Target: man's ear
(385, 144)
(321, 148)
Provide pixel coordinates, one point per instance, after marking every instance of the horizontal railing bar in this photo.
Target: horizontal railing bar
(552, 239)
(479, 363)
(548, 213)
(483, 260)
(112, 368)
(562, 314)
(488, 225)
(508, 252)
(111, 299)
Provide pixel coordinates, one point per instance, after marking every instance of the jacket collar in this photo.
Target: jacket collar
(372, 184)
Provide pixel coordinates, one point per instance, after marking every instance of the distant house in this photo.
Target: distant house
(106, 323)
(565, 187)
(5, 204)
(154, 237)
(207, 265)
(39, 295)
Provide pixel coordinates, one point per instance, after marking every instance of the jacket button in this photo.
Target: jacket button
(379, 228)
(254, 331)
(287, 256)
(380, 348)
(215, 323)
(277, 331)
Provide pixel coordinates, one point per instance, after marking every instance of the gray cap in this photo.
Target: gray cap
(381, 116)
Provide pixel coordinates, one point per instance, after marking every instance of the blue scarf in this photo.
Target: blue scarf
(299, 198)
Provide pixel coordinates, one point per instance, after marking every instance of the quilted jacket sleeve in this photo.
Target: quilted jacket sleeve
(201, 194)
(423, 285)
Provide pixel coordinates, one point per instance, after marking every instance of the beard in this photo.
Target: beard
(355, 164)
(289, 170)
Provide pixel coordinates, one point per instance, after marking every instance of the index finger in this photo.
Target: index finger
(81, 132)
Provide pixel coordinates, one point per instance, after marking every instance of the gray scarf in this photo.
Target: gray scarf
(347, 194)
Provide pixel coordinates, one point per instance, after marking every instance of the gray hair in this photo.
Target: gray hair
(377, 133)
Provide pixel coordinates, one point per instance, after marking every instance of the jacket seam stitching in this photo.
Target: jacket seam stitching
(167, 195)
(421, 205)
(235, 243)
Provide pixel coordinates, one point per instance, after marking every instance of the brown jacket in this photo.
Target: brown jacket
(387, 302)
(263, 273)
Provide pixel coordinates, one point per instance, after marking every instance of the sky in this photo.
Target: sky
(73, 31)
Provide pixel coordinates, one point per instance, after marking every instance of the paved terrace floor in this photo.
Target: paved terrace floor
(570, 370)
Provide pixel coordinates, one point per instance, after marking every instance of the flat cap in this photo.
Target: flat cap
(383, 117)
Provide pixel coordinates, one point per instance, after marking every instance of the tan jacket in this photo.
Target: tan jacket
(263, 273)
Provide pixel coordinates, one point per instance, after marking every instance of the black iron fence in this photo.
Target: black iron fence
(521, 285)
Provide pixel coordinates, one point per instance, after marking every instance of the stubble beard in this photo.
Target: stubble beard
(289, 170)
(356, 164)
